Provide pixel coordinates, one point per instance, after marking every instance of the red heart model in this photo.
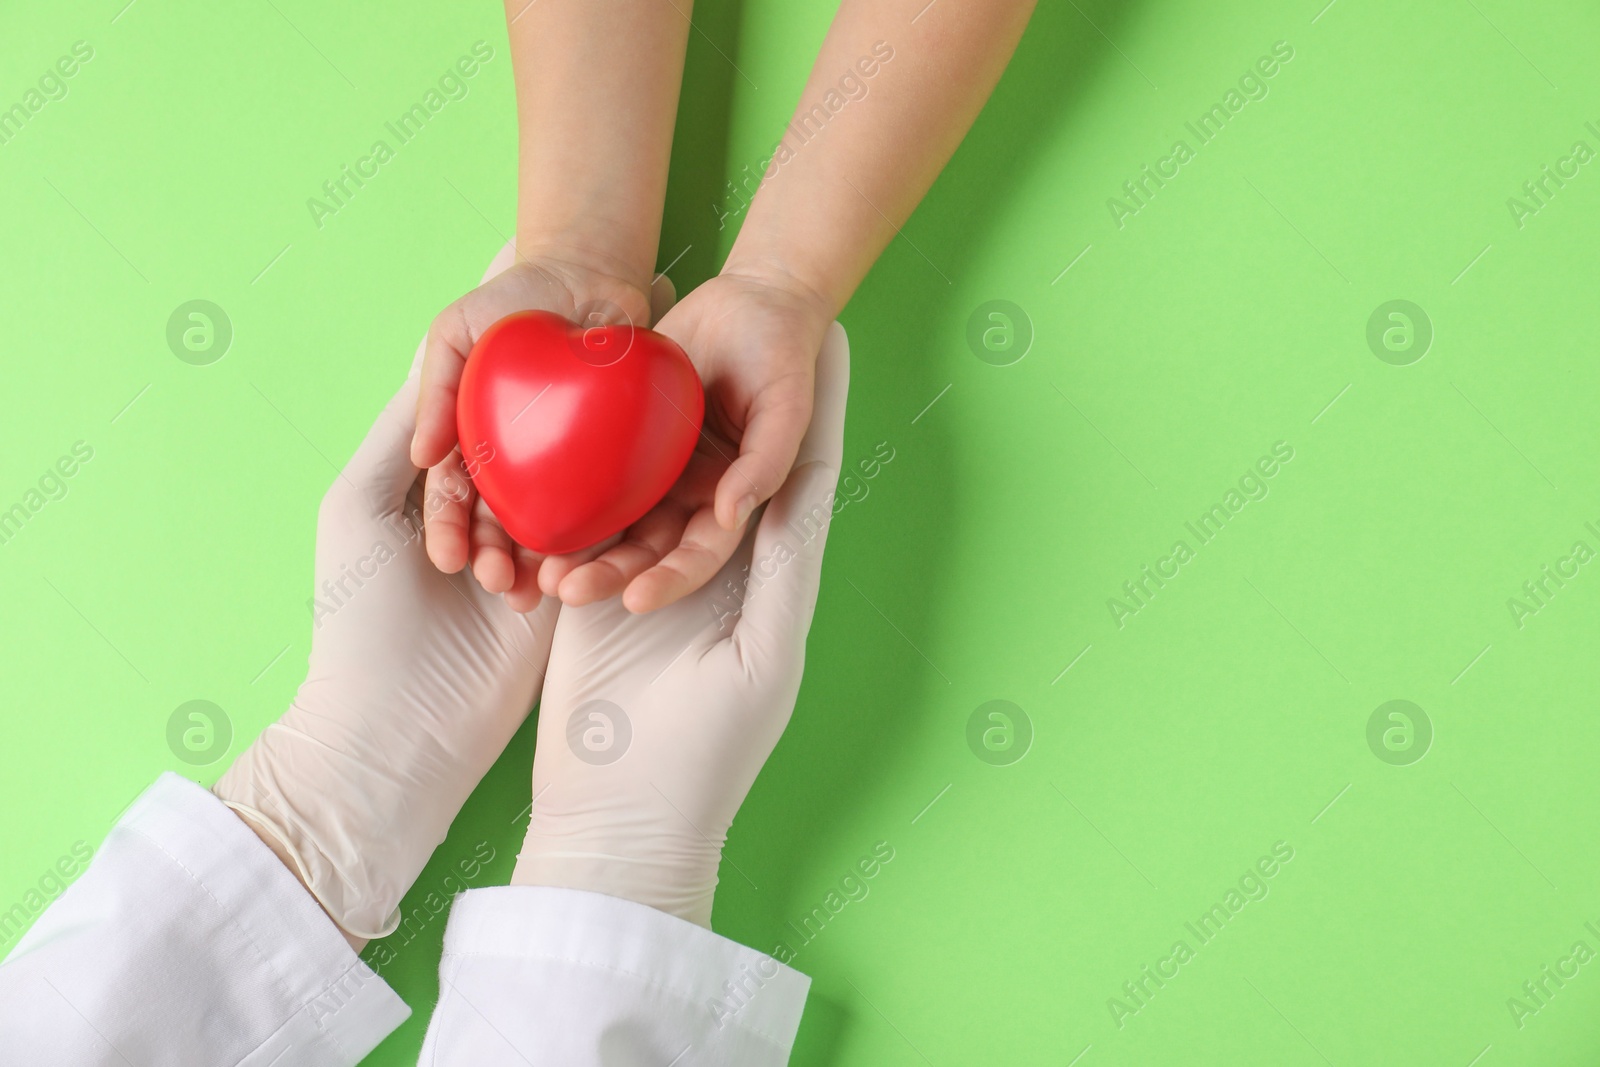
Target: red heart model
(572, 433)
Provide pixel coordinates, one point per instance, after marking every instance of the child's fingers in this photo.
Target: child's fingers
(443, 356)
(779, 416)
(447, 513)
(705, 547)
(493, 563)
(524, 595)
(642, 546)
(554, 570)
(786, 563)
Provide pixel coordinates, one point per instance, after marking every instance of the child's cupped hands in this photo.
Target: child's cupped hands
(754, 340)
(462, 530)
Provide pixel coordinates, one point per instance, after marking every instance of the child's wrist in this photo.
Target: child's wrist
(587, 253)
(590, 272)
(804, 283)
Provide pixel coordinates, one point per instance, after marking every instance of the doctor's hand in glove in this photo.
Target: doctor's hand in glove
(653, 727)
(417, 681)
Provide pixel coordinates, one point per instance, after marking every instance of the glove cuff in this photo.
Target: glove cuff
(654, 883)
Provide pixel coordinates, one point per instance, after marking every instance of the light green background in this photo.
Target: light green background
(1228, 314)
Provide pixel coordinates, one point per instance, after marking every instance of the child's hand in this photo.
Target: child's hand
(463, 530)
(754, 341)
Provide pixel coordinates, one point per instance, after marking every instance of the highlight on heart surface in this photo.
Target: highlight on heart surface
(571, 433)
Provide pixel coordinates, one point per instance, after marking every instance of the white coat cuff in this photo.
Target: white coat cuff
(187, 937)
(588, 964)
(338, 1003)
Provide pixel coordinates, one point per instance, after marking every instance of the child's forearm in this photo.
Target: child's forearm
(597, 92)
(895, 88)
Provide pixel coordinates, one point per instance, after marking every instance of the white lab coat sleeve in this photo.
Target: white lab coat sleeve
(188, 942)
(535, 976)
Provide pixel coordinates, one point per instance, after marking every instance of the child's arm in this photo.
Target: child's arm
(849, 171)
(597, 91)
(894, 90)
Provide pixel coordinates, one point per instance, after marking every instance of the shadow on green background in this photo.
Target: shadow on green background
(693, 238)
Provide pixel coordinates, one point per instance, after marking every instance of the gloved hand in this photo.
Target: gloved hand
(653, 727)
(417, 681)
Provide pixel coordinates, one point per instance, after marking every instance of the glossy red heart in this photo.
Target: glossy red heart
(571, 433)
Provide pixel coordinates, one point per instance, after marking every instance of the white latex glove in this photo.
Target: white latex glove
(653, 727)
(417, 681)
